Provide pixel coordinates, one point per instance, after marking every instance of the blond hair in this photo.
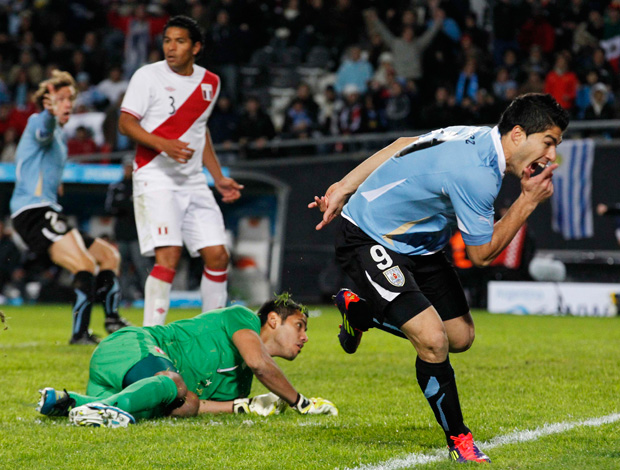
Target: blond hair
(58, 80)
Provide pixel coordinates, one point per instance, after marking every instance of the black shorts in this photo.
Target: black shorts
(41, 227)
(382, 274)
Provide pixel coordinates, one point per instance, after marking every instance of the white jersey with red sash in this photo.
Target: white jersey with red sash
(172, 106)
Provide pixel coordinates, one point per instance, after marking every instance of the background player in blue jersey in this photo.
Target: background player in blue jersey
(403, 203)
(37, 218)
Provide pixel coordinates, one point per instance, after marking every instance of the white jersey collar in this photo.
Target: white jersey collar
(501, 158)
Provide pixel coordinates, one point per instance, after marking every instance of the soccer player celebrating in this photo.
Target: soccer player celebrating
(37, 217)
(200, 365)
(404, 202)
(165, 110)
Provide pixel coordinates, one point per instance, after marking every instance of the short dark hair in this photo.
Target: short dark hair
(190, 24)
(534, 112)
(283, 305)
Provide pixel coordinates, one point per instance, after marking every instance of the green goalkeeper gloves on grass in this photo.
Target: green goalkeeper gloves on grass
(270, 404)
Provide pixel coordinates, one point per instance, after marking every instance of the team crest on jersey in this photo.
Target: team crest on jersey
(169, 88)
(395, 276)
(162, 230)
(159, 350)
(207, 91)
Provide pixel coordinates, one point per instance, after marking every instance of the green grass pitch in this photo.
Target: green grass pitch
(523, 372)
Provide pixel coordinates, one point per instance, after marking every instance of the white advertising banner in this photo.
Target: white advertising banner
(554, 298)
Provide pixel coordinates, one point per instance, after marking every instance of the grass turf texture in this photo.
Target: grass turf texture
(523, 372)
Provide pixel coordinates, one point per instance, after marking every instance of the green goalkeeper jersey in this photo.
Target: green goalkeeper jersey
(202, 349)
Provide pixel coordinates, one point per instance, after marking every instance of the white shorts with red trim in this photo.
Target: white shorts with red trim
(177, 218)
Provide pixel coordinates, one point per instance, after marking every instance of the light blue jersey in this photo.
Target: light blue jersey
(448, 178)
(40, 157)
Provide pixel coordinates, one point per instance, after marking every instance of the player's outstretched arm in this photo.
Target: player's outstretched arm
(130, 126)
(271, 376)
(534, 190)
(336, 196)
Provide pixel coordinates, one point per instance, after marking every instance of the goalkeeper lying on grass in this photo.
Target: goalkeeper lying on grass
(200, 365)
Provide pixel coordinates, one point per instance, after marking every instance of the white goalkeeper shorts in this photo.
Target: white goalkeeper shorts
(177, 218)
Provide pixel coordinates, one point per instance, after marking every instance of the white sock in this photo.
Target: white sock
(157, 295)
(213, 289)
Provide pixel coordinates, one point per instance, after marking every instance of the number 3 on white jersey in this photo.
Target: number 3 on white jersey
(381, 257)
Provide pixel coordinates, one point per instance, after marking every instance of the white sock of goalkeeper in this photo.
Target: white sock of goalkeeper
(213, 288)
(157, 295)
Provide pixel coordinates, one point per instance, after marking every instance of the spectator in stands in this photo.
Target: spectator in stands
(344, 25)
(82, 142)
(9, 146)
(375, 115)
(479, 37)
(89, 96)
(603, 68)
(223, 122)
(298, 122)
(502, 84)
(351, 115)
(255, 130)
(354, 70)
(329, 108)
(94, 56)
(20, 88)
(223, 43)
(135, 268)
(533, 84)
(442, 112)
(113, 86)
(583, 98)
(537, 30)
(29, 43)
(612, 21)
(589, 33)
(407, 49)
(599, 107)
(467, 83)
(60, 51)
(507, 19)
(561, 82)
(385, 72)
(304, 94)
(570, 17)
(27, 62)
(534, 62)
(398, 107)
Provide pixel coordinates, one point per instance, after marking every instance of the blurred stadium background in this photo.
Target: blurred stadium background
(310, 88)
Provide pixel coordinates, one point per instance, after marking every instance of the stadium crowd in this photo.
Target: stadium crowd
(302, 68)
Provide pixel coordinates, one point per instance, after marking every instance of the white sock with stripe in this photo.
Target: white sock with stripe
(213, 289)
(157, 295)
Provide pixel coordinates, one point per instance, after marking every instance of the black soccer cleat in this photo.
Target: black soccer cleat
(85, 339)
(349, 336)
(115, 323)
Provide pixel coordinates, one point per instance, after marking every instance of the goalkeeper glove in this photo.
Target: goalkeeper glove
(261, 405)
(314, 406)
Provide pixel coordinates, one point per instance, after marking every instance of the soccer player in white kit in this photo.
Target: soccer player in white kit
(165, 110)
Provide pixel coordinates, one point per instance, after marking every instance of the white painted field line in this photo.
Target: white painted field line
(512, 438)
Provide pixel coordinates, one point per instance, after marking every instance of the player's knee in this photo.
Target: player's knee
(217, 258)
(178, 381)
(433, 346)
(462, 341)
(108, 257)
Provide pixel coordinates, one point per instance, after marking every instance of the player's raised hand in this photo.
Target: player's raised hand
(262, 405)
(177, 150)
(331, 204)
(49, 100)
(229, 189)
(315, 406)
(540, 187)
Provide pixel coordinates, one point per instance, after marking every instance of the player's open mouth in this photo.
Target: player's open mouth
(539, 165)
